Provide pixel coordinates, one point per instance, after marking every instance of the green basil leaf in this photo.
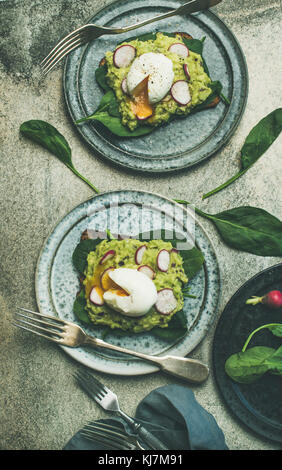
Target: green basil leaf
(249, 229)
(248, 366)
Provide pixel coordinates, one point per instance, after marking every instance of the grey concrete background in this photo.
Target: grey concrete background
(41, 407)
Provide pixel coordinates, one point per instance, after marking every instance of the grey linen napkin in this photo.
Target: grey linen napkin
(172, 414)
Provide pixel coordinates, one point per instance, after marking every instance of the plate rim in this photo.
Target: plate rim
(147, 367)
(270, 433)
(131, 168)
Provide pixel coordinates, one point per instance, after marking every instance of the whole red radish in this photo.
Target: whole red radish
(272, 299)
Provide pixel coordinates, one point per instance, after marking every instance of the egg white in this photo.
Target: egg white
(160, 71)
(141, 289)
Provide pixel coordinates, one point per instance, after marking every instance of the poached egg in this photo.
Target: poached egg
(142, 292)
(158, 68)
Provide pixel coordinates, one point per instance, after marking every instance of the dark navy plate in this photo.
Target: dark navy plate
(257, 405)
(182, 142)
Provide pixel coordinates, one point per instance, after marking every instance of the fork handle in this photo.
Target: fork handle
(148, 438)
(182, 367)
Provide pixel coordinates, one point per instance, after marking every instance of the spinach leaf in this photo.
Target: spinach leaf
(247, 228)
(276, 330)
(115, 125)
(79, 308)
(82, 250)
(216, 88)
(101, 77)
(274, 362)
(256, 144)
(50, 138)
(250, 229)
(248, 366)
(176, 329)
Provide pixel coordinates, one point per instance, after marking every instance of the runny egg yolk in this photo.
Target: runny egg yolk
(140, 104)
(103, 283)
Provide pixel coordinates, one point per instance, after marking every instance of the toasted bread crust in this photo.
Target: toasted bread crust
(183, 35)
(213, 103)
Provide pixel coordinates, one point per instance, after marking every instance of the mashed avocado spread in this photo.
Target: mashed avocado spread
(163, 110)
(125, 250)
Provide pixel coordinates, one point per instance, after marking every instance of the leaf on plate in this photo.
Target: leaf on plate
(81, 252)
(79, 307)
(248, 366)
(176, 329)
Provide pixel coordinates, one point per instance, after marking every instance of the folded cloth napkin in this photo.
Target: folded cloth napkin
(172, 414)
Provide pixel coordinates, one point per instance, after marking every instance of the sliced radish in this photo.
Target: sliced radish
(180, 92)
(163, 260)
(110, 254)
(179, 49)
(124, 55)
(139, 254)
(104, 278)
(96, 296)
(166, 302)
(147, 270)
(186, 71)
(124, 86)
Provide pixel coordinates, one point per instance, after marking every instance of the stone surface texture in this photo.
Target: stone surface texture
(41, 406)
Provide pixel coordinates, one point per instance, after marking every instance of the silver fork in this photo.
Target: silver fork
(109, 401)
(69, 334)
(110, 436)
(86, 33)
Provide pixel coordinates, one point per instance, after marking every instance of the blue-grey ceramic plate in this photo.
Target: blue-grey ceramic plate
(127, 213)
(257, 405)
(183, 142)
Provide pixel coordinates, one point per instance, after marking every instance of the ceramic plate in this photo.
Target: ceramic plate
(257, 405)
(183, 142)
(127, 213)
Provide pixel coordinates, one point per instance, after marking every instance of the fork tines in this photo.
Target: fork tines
(108, 435)
(46, 326)
(91, 384)
(65, 46)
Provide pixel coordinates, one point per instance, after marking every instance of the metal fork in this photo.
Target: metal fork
(69, 334)
(110, 436)
(109, 401)
(86, 33)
